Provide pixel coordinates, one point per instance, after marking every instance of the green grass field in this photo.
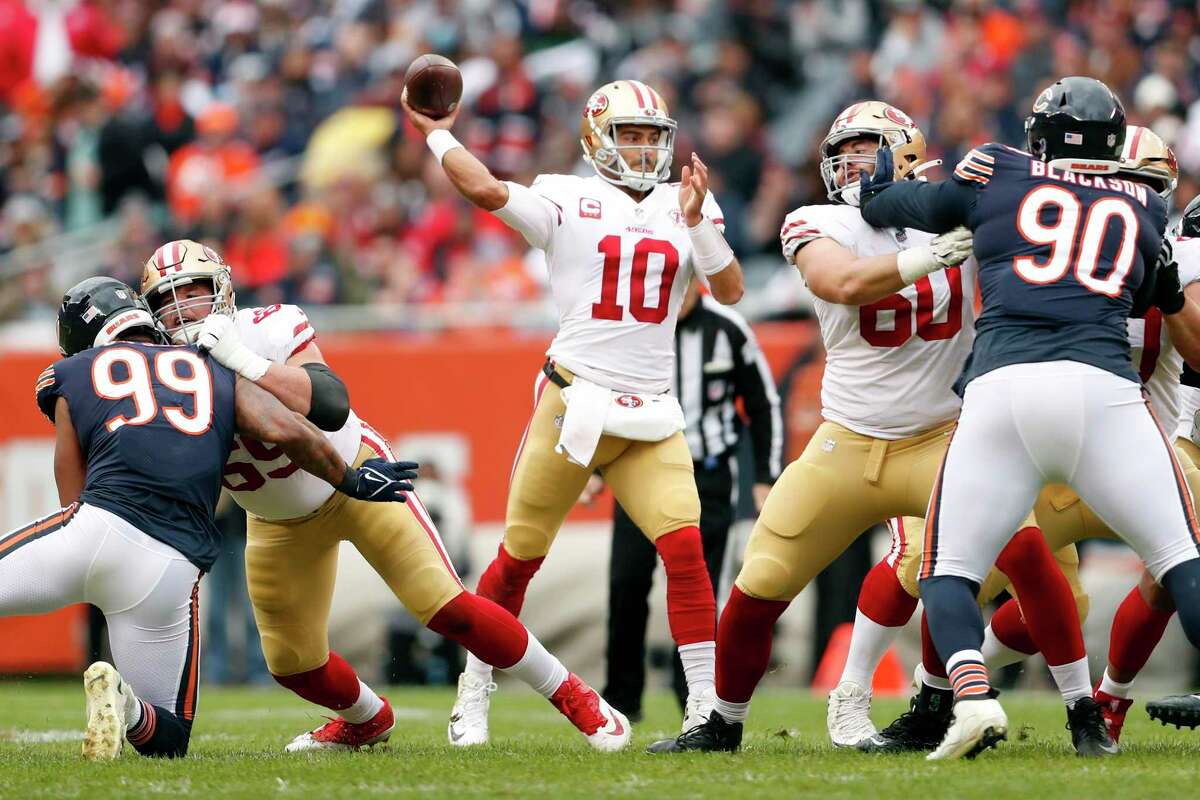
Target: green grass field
(237, 752)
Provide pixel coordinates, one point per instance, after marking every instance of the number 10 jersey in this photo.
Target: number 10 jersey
(618, 273)
(889, 365)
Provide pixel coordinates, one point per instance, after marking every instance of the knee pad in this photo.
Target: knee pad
(527, 542)
(292, 652)
(427, 589)
(765, 575)
(679, 507)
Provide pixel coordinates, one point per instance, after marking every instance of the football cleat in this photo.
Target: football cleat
(469, 718)
(605, 728)
(1089, 732)
(922, 727)
(1114, 709)
(848, 718)
(338, 734)
(714, 736)
(1180, 710)
(698, 707)
(107, 698)
(976, 726)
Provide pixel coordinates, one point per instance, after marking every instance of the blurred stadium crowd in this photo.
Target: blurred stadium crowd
(271, 129)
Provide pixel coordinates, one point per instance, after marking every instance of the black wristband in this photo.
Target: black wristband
(349, 481)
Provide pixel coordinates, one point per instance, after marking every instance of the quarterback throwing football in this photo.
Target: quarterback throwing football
(622, 245)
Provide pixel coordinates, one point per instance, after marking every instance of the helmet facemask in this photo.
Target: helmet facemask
(908, 153)
(170, 308)
(610, 158)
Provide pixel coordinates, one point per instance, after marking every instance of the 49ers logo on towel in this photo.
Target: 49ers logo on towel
(629, 401)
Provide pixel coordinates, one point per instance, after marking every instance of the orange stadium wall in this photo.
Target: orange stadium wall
(458, 401)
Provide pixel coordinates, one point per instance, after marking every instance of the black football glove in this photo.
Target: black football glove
(1168, 290)
(379, 480)
(883, 177)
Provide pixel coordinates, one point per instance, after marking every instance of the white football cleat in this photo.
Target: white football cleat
(605, 728)
(107, 698)
(469, 718)
(848, 717)
(698, 707)
(977, 725)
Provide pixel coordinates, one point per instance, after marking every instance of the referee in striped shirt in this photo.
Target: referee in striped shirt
(717, 362)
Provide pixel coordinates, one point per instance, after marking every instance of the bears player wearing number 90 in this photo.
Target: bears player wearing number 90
(143, 430)
(896, 310)
(621, 246)
(296, 525)
(1050, 393)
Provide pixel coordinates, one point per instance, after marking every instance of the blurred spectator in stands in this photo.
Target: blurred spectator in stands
(217, 165)
(257, 246)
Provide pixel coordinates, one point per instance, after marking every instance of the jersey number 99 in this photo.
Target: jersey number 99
(194, 380)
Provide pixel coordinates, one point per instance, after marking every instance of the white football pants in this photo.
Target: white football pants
(1026, 425)
(146, 589)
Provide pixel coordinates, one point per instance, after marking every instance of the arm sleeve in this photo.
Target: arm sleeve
(47, 391)
(932, 207)
(760, 399)
(531, 214)
(330, 405)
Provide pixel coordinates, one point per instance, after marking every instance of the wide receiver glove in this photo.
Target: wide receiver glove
(1168, 289)
(219, 336)
(379, 480)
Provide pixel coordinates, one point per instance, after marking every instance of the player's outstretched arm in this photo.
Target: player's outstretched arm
(470, 176)
(305, 384)
(260, 415)
(70, 465)
(836, 275)
(711, 254)
(932, 207)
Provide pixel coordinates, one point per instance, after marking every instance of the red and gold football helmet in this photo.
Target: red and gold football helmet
(627, 103)
(179, 263)
(875, 119)
(1147, 158)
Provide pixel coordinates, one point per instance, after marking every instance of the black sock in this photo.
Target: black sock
(160, 733)
(1183, 582)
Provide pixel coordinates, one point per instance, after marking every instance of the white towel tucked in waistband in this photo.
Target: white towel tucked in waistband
(587, 405)
(593, 410)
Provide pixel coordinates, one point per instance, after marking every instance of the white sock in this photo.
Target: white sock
(133, 712)
(479, 669)
(542, 671)
(366, 706)
(732, 712)
(932, 681)
(1111, 687)
(997, 654)
(1073, 680)
(868, 643)
(699, 665)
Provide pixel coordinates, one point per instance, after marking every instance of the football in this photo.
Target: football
(434, 85)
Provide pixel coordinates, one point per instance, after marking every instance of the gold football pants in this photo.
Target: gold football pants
(291, 566)
(653, 481)
(842, 484)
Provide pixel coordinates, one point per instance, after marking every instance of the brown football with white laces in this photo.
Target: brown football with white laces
(434, 85)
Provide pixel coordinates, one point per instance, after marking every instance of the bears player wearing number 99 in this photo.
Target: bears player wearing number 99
(1050, 393)
(892, 352)
(621, 246)
(143, 430)
(296, 524)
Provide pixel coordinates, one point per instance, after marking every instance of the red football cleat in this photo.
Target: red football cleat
(605, 728)
(1114, 709)
(338, 734)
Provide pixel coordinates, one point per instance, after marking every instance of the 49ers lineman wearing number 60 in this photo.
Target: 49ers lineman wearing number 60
(622, 246)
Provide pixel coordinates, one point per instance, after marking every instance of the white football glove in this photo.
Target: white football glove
(953, 247)
(947, 250)
(219, 337)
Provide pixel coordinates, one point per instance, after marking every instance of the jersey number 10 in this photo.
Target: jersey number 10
(608, 307)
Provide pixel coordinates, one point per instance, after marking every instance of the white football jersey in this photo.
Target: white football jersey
(890, 366)
(1175, 404)
(618, 272)
(259, 476)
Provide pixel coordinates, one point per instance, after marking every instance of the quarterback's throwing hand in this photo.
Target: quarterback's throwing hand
(693, 186)
(424, 124)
